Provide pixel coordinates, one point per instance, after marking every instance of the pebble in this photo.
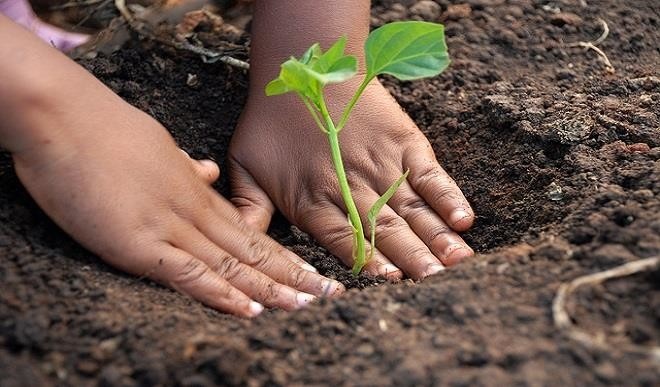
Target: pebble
(563, 18)
(87, 367)
(427, 10)
(457, 11)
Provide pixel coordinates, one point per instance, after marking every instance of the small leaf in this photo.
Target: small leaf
(407, 50)
(339, 71)
(276, 87)
(313, 71)
(334, 53)
(296, 77)
(372, 215)
(312, 54)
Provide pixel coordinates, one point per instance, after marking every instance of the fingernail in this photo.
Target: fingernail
(457, 216)
(308, 267)
(456, 253)
(332, 288)
(255, 308)
(387, 270)
(433, 268)
(303, 299)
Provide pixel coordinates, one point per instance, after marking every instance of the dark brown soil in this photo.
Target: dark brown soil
(560, 159)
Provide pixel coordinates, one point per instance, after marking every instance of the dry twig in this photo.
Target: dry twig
(74, 4)
(208, 56)
(593, 46)
(563, 321)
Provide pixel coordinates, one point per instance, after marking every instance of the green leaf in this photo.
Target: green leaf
(276, 87)
(312, 54)
(407, 50)
(295, 76)
(327, 59)
(339, 71)
(372, 215)
(313, 71)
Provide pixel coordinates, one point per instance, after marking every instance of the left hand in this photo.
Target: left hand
(279, 158)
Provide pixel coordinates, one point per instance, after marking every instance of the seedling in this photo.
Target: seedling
(406, 50)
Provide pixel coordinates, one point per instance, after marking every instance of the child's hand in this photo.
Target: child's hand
(114, 179)
(145, 207)
(279, 156)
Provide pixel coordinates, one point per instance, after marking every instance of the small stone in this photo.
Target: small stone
(192, 80)
(554, 192)
(565, 74)
(606, 371)
(457, 11)
(426, 9)
(562, 18)
(639, 147)
(87, 367)
(365, 349)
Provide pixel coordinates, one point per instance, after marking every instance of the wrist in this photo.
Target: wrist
(282, 29)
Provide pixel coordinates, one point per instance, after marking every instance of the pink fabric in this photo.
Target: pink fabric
(21, 12)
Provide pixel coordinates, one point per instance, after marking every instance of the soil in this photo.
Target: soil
(560, 158)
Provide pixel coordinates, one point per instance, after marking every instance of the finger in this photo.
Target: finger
(444, 243)
(433, 184)
(397, 241)
(206, 169)
(258, 251)
(251, 281)
(186, 274)
(252, 202)
(328, 225)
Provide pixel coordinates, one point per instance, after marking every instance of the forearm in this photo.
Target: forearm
(282, 29)
(37, 84)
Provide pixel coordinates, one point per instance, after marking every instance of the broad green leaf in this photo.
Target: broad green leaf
(407, 50)
(372, 215)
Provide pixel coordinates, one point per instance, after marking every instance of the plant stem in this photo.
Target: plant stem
(353, 214)
(351, 104)
(313, 113)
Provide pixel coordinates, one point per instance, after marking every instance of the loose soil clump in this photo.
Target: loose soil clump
(560, 158)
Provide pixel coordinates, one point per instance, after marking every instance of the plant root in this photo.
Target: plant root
(208, 56)
(563, 321)
(593, 46)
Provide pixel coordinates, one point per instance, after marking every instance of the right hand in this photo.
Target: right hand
(147, 208)
(113, 178)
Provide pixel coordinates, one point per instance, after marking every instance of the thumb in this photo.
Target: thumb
(252, 202)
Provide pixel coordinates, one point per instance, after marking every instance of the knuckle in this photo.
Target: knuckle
(299, 277)
(444, 193)
(260, 256)
(439, 231)
(193, 270)
(388, 225)
(427, 174)
(414, 252)
(228, 268)
(411, 205)
(336, 235)
(271, 293)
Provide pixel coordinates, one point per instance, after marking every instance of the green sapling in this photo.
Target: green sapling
(406, 50)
